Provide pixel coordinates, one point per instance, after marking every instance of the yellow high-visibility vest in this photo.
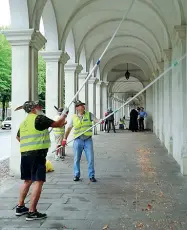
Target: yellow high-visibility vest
(82, 126)
(59, 131)
(32, 139)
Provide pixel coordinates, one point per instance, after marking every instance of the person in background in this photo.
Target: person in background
(121, 124)
(106, 121)
(111, 121)
(81, 122)
(34, 139)
(59, 135)
(142, 115)
(133, 124)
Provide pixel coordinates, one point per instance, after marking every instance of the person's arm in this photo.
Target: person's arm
(70, 126)
(146, 114)
(42, 122)
(18, 135)
(67, 133)
(94, 118)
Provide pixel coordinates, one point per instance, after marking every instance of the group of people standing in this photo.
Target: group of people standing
(109, 122)
(137, 119)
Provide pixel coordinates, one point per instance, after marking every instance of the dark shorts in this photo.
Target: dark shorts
(33, 165)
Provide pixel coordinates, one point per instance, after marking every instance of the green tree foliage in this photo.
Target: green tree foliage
(41, 79)
(5, 72)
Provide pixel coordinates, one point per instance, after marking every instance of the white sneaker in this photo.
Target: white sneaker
(104, 131)
(57, 158)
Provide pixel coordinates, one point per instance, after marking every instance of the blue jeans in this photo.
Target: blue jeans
(78, 147)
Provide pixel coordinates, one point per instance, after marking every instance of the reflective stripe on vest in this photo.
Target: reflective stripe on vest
(82, 126)
(30, 138)
(59, 131)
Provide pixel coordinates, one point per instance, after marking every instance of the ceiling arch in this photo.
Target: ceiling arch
(109, 63)
(126, 40)
(93, 6)
(122, 50)
(133, 23)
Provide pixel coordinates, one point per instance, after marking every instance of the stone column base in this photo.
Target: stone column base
(183, 166)
(170, 150)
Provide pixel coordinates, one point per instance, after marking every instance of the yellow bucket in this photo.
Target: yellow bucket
(49, 166)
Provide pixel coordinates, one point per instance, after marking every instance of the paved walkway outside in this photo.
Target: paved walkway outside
(139, 187)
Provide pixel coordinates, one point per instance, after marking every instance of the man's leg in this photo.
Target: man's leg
(21, 209)
(113, 126)
(142, 124)
(35, 196)
(88, 148)
(78, 146)
(39, 177)
(24, 191)
(108, 126)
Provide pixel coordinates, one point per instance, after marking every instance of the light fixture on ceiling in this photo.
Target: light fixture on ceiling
(127, 74)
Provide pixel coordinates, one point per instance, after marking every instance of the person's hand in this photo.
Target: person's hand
(64, 141)
(65, 111)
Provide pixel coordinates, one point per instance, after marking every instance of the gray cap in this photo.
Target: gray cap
(29, 105)
(78, 103)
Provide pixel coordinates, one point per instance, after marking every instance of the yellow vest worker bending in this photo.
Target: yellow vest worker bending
(81, 122)
(34, 141)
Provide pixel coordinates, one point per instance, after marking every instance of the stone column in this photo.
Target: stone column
(25, 45)
(70, 90)
(53, 81)
(105, 96)
(78, 85)
(92, 98)
(82, 94)
(99, 103)
(181, 32)
(168, 102)
(161, 102)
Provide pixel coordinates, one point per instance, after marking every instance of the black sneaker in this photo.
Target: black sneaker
(76, 178)
(93, 179)
(21, 210)
(36, 216)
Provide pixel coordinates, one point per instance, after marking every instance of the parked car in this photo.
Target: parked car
(6, 124)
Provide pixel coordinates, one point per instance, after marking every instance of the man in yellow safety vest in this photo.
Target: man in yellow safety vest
(59, 134)
(34, 141)
(81, 122)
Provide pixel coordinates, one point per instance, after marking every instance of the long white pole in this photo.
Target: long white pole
(131, 99)
(99, 60)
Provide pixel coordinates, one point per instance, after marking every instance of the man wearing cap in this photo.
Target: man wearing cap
(34, 139)
(59, 134)
(81, 122)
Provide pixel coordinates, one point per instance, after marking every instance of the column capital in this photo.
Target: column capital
(181, 31)
(168, 54)
(106, 83)
(64, 58)
(25, 38)
(161, 66)
(93, 80)
(83, 75)
(70, 67)
(79, 69)
(51, 56)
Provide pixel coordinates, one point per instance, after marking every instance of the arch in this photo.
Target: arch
(37, 13)
(125, 36)
(70, 46)
(93, 29)
(50, 26)
(120, 59)
(82, 11)
(19, 21)
(120, 50)
(82, 59)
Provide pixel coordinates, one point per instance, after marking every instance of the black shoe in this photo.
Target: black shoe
(76, 178)
(36, 216)
(21, 210)
(93, 179)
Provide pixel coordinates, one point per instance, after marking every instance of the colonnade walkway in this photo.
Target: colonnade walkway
(139, 187)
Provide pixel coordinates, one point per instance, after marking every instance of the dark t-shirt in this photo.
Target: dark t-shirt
(41, 123)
